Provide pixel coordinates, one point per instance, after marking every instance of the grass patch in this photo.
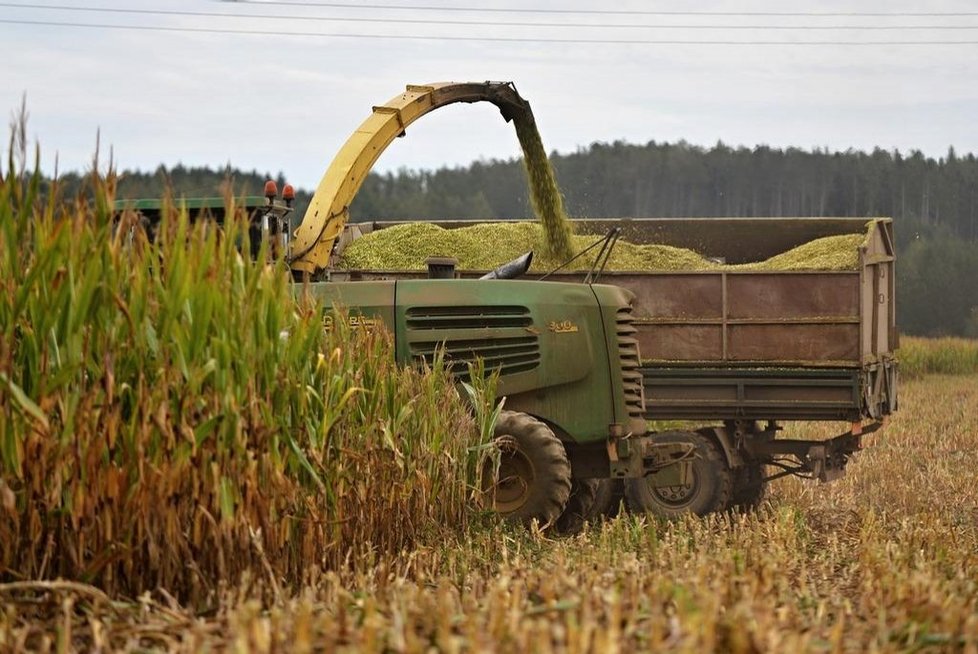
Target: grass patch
(937, 356)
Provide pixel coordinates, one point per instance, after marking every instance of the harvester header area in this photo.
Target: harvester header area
(267, 216)
(329, 209)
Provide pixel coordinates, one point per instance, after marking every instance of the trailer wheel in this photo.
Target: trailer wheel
(534, 474)
(708, 489)
(749, 486)
(608, 498)
(578, 507)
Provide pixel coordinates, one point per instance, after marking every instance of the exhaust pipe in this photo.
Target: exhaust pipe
(515, 268)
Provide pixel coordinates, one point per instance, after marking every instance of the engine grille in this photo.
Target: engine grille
(476, 317)
(630, 363)
(509, 347)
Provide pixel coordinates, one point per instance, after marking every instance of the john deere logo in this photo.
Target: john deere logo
(562, 326)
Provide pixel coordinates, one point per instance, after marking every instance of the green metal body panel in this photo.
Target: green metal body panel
(371, 300)
(788, 393)
(194, 204)
(555, 345)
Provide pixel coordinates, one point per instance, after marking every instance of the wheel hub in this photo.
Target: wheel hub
(510, 488)
(677, 495)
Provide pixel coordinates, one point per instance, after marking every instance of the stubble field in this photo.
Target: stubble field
(885, 559)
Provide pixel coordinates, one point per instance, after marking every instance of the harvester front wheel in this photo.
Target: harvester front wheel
(533, 480)
(705, 489)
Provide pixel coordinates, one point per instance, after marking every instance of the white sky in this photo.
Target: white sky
(287, 103)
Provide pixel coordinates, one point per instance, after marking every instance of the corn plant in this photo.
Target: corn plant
(173, 417)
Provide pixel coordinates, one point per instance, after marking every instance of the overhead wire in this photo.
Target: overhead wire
(453, 38)
(498, 39)
(608, 12)
(487, 23)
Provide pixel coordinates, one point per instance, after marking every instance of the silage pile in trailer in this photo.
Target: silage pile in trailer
(172, 418)
(486, 245)
(839, 252)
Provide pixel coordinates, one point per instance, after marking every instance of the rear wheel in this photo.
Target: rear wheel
(533, 481)
(705, 489)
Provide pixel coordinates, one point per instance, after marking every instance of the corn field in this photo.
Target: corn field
(174, 418)
(943, 356)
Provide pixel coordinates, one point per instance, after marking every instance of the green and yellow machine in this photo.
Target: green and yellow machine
(578, 392)
(566, 354)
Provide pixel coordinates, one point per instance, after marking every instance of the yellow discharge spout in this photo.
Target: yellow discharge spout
(329, 209)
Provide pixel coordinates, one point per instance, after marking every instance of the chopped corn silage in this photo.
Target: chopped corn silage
(486, 245)
(827, 253)
(548, 204)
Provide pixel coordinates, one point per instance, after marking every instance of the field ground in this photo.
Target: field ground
(885, 559)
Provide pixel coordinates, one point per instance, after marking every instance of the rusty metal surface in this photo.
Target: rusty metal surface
(675, 296)
(680, 342)
(781, 296)
(780, 342)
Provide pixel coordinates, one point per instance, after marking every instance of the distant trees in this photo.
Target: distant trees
(937, 282)
(189, 182)
(933, 201)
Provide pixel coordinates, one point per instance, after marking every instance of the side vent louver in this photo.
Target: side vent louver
(630, 363)
(498, 335)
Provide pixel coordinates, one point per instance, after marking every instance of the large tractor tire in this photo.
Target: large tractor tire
(608, 499)
(708, 489)
(534, 475)
(748, 486)
(579, 505)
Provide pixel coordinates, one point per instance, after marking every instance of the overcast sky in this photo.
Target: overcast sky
(284, 102)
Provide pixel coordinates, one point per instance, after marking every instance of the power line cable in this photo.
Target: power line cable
(608, 12)
(490, 23)
(500, 39)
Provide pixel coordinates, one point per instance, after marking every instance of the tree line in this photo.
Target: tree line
(934, 201)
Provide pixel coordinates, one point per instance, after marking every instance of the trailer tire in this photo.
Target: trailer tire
(708, 492)
(578, 507)
(608, 498)
(534, 473)
(749, 486)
